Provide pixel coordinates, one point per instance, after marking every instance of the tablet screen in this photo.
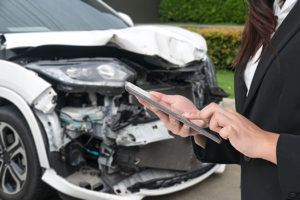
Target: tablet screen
(144, 95)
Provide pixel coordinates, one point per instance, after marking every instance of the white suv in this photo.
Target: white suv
(65, 119)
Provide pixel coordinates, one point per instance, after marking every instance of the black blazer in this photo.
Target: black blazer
(273, 103)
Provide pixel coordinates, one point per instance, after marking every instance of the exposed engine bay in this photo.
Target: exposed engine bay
(100, 138)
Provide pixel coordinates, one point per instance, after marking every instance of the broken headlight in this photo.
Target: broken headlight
(103, 75)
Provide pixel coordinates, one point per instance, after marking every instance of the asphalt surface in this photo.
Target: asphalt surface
(224, 186)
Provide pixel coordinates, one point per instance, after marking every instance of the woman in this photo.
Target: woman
(263, 136)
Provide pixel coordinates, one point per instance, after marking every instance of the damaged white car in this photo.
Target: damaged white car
(66, 121)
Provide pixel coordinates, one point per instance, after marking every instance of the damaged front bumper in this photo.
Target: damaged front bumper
(61, 184)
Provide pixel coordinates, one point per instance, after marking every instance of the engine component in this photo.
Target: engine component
(81, 119)
(126, 115)
(165, 155)
(74, 155)
(107, 157)
(126, 160)
(142, 134)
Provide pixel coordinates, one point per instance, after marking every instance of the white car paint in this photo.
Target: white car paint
(176, 45)
(24, 82)
(24, 108)
(22, 87)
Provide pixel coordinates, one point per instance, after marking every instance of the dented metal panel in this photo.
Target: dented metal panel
(176, 45)
(143, 134)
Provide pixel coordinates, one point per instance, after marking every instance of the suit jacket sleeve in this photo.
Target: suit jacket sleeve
(222, 153)
(288, 163)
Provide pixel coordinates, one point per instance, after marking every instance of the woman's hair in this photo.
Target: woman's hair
(260, 25)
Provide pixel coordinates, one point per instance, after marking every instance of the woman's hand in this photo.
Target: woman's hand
(177, 104)
(243, 135)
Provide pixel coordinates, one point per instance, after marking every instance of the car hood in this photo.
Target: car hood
(173, 44)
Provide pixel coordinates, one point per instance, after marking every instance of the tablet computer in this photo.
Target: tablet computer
(144, 95)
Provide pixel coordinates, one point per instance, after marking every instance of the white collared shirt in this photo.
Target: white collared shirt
(281, 13)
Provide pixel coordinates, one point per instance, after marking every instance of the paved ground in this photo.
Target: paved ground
(229, 103)
(217, 187)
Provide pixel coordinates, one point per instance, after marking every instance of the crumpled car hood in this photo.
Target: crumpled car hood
(175, 45)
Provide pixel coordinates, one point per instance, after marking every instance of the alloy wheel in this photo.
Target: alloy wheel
(13, 160)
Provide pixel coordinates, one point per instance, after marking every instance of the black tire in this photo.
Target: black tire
(16, 167)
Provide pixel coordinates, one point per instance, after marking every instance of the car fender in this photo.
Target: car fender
(22, 88)
(25, 83)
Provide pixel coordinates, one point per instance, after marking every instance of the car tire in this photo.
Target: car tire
(20, 172)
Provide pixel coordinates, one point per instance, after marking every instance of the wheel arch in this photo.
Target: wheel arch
(8, 97)
(21, 88)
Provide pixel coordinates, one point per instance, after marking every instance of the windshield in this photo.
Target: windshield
(56, 15)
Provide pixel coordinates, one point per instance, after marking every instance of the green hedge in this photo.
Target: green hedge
(203, 11)
(223, 44)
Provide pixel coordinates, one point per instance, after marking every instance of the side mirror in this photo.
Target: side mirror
(126, 18)
(2, 42)
(2, 46)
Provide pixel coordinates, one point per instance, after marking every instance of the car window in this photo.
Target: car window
(56, 15)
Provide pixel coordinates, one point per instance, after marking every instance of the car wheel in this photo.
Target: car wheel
(20, 172)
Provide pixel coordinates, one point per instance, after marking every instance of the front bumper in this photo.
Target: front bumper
(62, 185)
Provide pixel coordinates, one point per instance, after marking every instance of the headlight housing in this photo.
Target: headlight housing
(103, 75)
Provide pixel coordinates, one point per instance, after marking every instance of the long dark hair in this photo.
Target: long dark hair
(260, 25)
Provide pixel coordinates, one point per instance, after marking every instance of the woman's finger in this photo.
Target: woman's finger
(204, 114)
(162, 98)
(185, 131)
(149, 106)
(214, 124)
(143, 102)
(207, 112)
(174, 125)
(220, 120)
(162, 116)
(156, 96)
(225, 132)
